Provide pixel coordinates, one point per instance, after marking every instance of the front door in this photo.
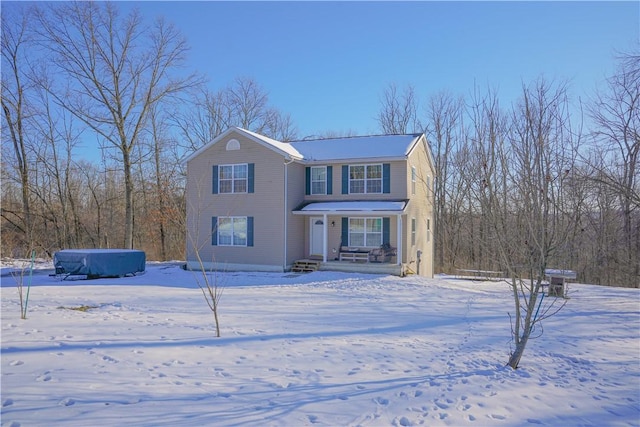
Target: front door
(317, 236)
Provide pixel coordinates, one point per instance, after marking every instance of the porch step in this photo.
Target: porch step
(305, 266)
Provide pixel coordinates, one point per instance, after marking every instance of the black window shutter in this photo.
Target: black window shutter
(215, 179)
(307, 180)
(345, 231)
(345, 179)
(250, 176)
(386, 230)
(214, 231)
(386, 178)
(249, 231)
(329, 179)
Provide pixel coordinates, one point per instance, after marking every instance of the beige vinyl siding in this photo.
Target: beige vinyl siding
(421, 208)
(265, 204)
(398, 189)
(295, 223)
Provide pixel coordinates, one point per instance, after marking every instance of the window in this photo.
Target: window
(413, 231)
(233, 178)
(232, 231)
(366, 232)
(233, 144)
(318, 180)
(428, 230)
(365, 179)
(413, 179)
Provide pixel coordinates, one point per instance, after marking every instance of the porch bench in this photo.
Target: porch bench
(353, 255)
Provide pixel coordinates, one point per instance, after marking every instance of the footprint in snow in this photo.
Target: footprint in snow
(382, 400)
(44, 377)
(404, 421)
(67, 402)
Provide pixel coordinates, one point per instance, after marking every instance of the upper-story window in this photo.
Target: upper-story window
(319, 180)
(233, 178)
(236, 178)
(365, 179)
(414, 174)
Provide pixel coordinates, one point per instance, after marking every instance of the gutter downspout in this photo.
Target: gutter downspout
(287, 162)
(400, 240)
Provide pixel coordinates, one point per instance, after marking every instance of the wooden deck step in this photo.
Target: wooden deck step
(305, 266)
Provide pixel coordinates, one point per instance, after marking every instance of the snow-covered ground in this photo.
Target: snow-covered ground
(326, 349)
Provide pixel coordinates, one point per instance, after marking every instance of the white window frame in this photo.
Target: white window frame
(317, 181)
(414, 225)
(234, 220)
(234, 179)
(366, 181)
(414, 173)
(366, 240)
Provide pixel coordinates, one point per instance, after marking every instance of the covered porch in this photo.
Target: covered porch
(359, 236)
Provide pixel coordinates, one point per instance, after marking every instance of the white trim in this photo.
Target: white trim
(364, 232)
(365, 179)
(346, 208)
(284, 149)
(325, 237)
(312, 220)
(233, 178)
(311, 181)
(232, 218)
(233, 144)
(400, 241)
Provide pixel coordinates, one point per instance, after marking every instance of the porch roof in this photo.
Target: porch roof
(377, 207)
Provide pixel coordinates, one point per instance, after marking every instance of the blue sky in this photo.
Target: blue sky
(328, 63)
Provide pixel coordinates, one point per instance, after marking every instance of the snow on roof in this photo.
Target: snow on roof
(333, 149)
(359, 147)
(282, 146)
(355, 206)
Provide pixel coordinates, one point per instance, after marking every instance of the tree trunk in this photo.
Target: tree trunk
(128, 195)
(514, 360)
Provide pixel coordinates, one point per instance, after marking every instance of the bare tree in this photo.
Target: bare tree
(616, 113)
(116, 69)
(399, 111)
(244, 103)
(523, 175)
(444, 133)
(15, 111)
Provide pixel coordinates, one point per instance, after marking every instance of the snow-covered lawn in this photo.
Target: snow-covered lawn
(324, 348)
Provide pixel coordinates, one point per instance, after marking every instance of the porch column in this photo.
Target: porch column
(399, 232)
(325, 235)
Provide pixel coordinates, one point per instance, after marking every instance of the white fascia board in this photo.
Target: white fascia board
(353, 160)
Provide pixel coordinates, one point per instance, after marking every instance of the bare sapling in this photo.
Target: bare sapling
(205, 274)
(18, 276)
(209, 284)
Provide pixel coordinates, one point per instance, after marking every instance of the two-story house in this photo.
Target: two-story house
(355, 203)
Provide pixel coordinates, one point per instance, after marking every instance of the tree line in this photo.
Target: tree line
(98, 113)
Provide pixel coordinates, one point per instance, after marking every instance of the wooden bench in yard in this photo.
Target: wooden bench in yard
(479, 274)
